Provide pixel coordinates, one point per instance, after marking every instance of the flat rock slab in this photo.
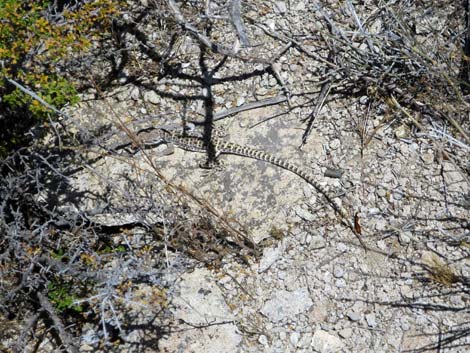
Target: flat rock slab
(285, 304)
(206, 322)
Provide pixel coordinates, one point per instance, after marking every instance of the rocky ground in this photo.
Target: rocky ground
(314, 288)
(404, 176)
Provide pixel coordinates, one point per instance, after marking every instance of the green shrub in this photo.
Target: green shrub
(62, 296)
(33, 41)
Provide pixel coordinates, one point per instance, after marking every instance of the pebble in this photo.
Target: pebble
(280, 8)
(364, 100)
(86, 348)
(135, 93)
(380, 225)
(371, 321)
(304, 214)
(335, 144)
(382, 153)
(151, 97)
(398, 195)
(407, 292)
(345, 333)
(338, 272)
(428, 157)
(263, 340)
(381, 192)
(262, 91)
(382, 245)
(305, 340)
(401, 132)
(317, 242)
(294, 339)
(404, 237)
(353, 316)
(405, 326)
(306, 240)
(308, 191)
(324, 342)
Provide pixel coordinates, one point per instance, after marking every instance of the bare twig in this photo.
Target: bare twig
(325, 90)
(359, 25)
(235, 12)
(35, 96)
(249, 106)
(204, 40)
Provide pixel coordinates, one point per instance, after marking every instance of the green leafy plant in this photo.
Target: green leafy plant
(34, 40)
(62, 296)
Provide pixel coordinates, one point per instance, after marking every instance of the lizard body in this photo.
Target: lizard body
(198, 144)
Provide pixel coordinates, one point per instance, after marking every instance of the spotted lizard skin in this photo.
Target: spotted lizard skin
(198, 144)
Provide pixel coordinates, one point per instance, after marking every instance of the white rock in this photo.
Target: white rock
(263, 340)
(345, 333)
(340, 283)
(280, 8)
(271, 24)
(353, 316)
(240, 101)
(428, 157)
(294, 339)
(308, 191)
(381, 192)
(317, 242)
(382, 245)
(300, 6)
(381, 153)
(405, 237)
(304, 214)
(371, 321)
(201, 301)
(219, 100)
(86, 348)
(380, 225)
(151, 97)
(402, 131)
(135, 93)
(286, 304)
(305, 340)
(341, 247)
(335, 144)
(324, 342)
(270, 256)
(398, 195)
(363, 47)
(338, 272)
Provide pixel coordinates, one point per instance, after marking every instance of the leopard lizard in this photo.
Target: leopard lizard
(198, 144)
